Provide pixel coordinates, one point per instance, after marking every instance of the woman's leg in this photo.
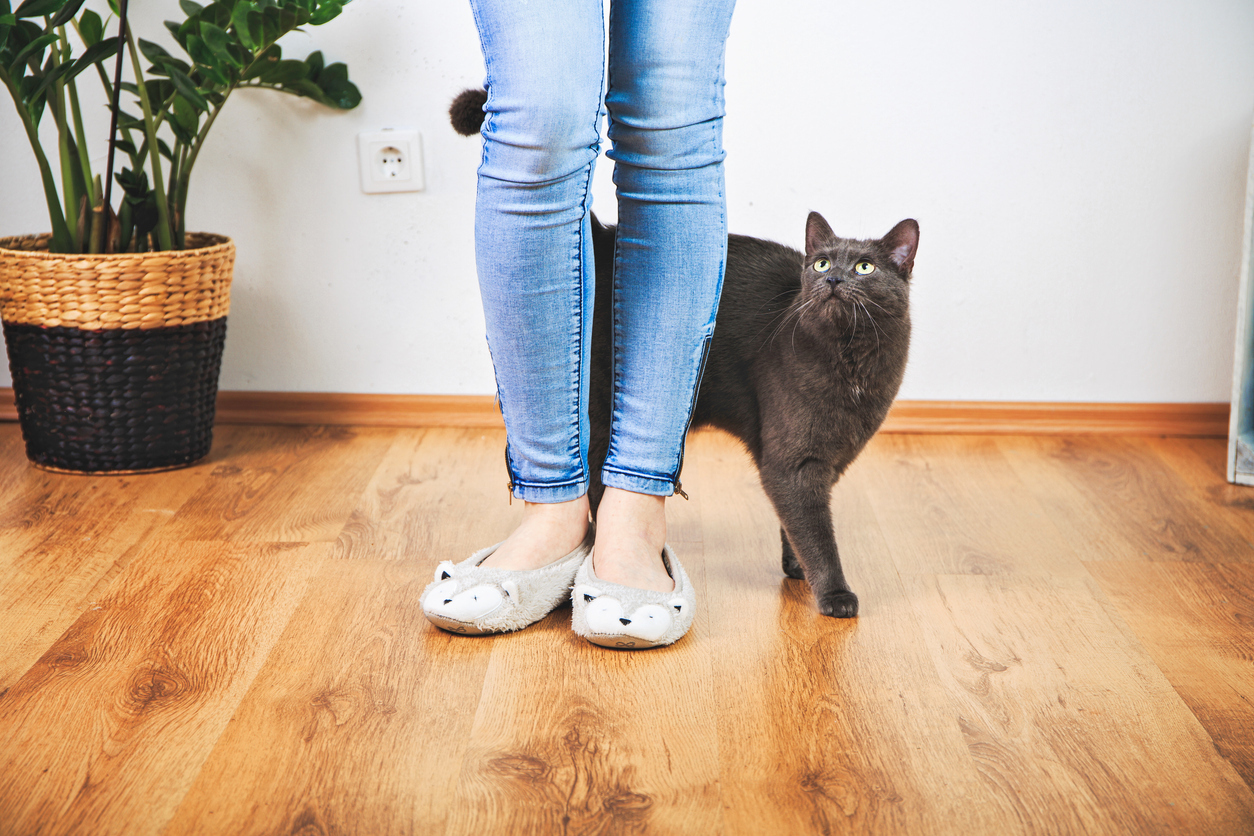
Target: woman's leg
(665, 100)
(533, 250)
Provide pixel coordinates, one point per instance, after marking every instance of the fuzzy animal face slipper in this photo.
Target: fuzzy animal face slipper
(613, 615)
(471, 599)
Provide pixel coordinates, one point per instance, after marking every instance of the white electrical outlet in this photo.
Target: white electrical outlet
(390, 161)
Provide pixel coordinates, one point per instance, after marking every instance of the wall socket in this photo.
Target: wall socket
(390, 161)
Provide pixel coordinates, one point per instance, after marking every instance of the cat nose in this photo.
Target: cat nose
(834, 280)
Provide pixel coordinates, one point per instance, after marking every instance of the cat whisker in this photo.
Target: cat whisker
(794, 315)
(873, 324)
(853, 329)
(781, 295)
(797, 322)
(782, 322)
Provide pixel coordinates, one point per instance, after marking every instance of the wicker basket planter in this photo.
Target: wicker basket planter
(115, 358)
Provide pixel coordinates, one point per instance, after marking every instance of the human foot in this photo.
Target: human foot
(548, 531)
(617, 616)
(631, 533)
(470, 599)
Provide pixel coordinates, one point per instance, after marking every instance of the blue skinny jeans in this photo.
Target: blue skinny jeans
(548, 86)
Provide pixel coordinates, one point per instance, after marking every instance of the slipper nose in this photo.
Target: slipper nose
(624, 621)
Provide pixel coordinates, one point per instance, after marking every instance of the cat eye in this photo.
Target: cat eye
(864, 268)
(822, 265)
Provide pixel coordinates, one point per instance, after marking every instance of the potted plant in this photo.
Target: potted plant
(115, 320)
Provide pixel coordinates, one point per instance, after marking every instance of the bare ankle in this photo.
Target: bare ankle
(548, 532)
(631, 532)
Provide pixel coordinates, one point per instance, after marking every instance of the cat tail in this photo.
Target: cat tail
(466, 111)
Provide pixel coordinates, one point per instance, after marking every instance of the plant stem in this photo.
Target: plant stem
(80, 138)
(60, 231)
(186, 174)
(154, 154)
(68, 191)
(180, 197)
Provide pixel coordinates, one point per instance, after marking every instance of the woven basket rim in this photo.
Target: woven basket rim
(213, 239)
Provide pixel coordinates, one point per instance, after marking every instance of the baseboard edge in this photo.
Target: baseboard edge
(931, 417)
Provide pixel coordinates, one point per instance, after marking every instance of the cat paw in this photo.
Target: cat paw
(839, 605)
(792, 567)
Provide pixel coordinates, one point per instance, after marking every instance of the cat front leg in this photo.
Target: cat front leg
(801, 496)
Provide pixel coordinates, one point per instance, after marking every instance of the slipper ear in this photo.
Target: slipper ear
(444, 570)
(511, 589)
(586, 592)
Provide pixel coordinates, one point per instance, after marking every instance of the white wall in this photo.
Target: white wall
(1077, 168)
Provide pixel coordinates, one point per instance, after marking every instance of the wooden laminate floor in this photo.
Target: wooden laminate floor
(1056, 638)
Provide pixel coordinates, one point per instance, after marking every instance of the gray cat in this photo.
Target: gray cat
(808, 353)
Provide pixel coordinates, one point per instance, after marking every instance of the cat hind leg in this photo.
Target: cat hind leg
(791, 565)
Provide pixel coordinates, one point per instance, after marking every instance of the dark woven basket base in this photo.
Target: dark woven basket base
(114, 401)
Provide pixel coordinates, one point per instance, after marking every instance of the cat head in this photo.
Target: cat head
(844, 276)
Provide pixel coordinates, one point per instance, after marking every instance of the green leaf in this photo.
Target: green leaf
(48, 78)
(153, 52)
(93, 55)
(91, 27)
(175, 30)
(185, 115)
(6, 23)
(133, 182)
(281, 72)
(38, 8)
(219, 42)
(316, 63)
(181, 133)
(218, 14)
(165, 149)
(240, 20)
(272, 24)
(199, 52)
(34, 49)
(163, 68)
(185, 86)
(66, 14)
(190, 8)
(305, 87)
(205, 60)
(36, 109)
(326, 11)
(159, 89)
(262, 63)
(342, 92)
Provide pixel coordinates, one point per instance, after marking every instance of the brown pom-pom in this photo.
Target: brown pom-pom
(466, 111)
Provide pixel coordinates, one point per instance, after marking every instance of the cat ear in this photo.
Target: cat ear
(819, 235)
(901, 242)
